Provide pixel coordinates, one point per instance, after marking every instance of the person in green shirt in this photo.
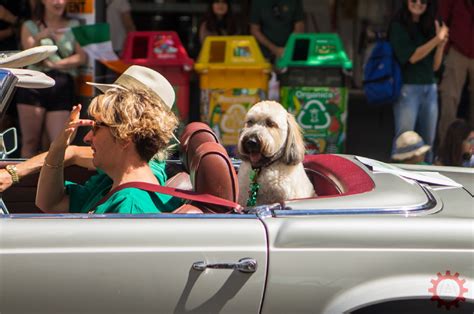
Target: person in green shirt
(273, 21)
(418, 42)
(129, 125)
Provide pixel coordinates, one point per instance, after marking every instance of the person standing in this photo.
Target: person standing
(272, 22)
(47, 109)
(219, 20)
(120, 21)
(418, 41)
(459, 64)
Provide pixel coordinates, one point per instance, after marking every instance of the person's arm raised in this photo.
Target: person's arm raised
(50, 195)
(422, 51)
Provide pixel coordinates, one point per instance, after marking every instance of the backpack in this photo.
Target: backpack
(382, 75)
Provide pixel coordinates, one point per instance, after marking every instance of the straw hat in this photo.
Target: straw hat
(408, 145)
(142, 77)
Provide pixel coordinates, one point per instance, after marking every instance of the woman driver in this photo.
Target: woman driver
(129, 127)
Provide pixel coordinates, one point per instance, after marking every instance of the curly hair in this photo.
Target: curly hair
(137, 115)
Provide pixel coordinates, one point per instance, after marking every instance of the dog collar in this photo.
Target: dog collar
(254, 187)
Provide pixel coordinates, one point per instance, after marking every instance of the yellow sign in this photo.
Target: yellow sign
(80, 6)
(227, 110)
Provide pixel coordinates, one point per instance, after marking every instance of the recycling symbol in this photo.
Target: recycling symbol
(314, 116)
(233, 119)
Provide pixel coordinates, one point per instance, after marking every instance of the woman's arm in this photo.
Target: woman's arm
(28, 40)
(6, 33)
(438, 59)
(73, 61)
(422, 51)
(50, 195)
(75, 155)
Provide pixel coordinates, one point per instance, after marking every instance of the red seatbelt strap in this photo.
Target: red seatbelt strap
(184, 194)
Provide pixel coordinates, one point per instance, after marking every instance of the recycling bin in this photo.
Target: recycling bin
(313, 74)
(163, 52)
(233, 75)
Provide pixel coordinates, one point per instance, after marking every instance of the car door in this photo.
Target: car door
(80, 263)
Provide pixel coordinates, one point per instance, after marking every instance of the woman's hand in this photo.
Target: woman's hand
(66, 137)
(442, 32)
(44, 32)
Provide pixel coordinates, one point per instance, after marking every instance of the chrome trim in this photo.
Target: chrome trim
(244, 265)
(128, 216)
(264, 211)
(431, 206)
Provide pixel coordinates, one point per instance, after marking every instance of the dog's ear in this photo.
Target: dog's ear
(294, 149)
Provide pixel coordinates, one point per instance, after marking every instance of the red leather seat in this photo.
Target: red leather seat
(212, 172)
(194, 134)
(210, 168)
(334, 175)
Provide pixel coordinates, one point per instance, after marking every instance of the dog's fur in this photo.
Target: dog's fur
(272, 141)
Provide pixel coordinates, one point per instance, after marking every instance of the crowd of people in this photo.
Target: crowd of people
(420, 34)
(429, 37)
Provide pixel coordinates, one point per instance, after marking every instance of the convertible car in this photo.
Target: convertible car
(377, 239)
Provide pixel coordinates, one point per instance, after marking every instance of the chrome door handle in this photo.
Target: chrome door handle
(245, 265)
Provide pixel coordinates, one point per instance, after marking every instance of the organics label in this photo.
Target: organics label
(225, 109)
(321, 113)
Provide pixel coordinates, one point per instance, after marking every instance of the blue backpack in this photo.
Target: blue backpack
(382, 75)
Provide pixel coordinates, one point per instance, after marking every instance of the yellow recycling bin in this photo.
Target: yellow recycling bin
(233, 76)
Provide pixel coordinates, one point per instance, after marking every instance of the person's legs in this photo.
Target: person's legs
(405, 110)
(54, 123)
(451, 87)
(31, 121)
(428, 116)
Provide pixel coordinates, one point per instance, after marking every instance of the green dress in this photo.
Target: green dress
(83, 198)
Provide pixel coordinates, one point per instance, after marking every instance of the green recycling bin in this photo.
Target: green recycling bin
(313, 74)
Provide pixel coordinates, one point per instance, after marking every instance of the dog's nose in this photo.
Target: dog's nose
(252, 145)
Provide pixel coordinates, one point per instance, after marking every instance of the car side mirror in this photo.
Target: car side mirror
(8, 142)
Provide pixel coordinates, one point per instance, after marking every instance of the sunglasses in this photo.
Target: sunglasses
(470, 141)
(97, 125)
(424, 2)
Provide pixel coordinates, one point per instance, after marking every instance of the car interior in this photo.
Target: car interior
(205, 168)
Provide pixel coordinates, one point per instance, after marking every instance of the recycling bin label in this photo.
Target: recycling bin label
(225, 109)
(321, 112)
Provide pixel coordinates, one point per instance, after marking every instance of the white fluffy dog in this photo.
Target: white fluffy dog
(271, 147)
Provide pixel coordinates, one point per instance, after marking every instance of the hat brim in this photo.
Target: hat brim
(27, 57)
(32, 79)
(104, 87)
(402, 156)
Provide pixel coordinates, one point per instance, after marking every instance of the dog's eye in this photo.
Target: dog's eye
(270, 123)
(249, 122)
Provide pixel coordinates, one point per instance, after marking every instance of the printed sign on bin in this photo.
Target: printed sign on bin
(227, 110)
(321, 113)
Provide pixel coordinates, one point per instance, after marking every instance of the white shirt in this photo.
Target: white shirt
(115, 9)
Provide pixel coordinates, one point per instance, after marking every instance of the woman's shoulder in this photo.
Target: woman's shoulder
(31, 25)
(132, 201)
